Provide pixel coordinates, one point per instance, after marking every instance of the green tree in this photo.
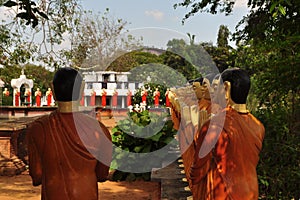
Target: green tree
(38, 28)
(222, 57)
(277, 7)
(41, 77)
(223, 36)
(99, 40)
(192, 60)
(200, 59)
(129, 61)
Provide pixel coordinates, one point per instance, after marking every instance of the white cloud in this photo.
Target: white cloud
(156, 14)
(4, 13)
(240, 4)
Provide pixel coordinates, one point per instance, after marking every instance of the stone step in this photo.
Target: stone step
(172, 184)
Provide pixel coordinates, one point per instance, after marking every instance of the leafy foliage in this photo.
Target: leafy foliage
(136, 58)
(35, 29)
(135, 134)
(223, 36)
(29, 11)
(275, 97)
(211, 6)
(41, 77)
(99, 40)
(202, 59)
(278, 169)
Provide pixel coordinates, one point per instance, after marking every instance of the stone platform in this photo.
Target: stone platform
(13, 150)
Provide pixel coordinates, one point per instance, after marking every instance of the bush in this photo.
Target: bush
(135, 134)
(278, 170)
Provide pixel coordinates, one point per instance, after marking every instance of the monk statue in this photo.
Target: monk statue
(38, 95)
(115, 98)
(144, 95)
(156, 96)
(6, 92)
(167, 97)
(103, 97)
(226, 154)
(129, 96)
(69, 151)
(49, 97)
(93, 98)
(17, 97)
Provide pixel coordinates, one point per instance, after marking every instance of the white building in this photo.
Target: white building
(109, 80)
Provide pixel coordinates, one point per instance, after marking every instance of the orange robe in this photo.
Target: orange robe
(59, 160)
(115, 99)
(103, 103)
(176, 117)
(205, 104)
(6, 93)
(167, 99)
(28, 97)
(82, 100)
(129, 94)
(156, 98)
(17, 99)
(38, 98)
(144, 97)
(49, 98)
(228, 169)
(93, 99)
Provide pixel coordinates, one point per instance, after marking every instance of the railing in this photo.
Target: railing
(113, 85)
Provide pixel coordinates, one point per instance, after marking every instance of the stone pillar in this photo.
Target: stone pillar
(123, 102)
(1, 86)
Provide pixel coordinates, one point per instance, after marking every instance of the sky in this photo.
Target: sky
(159, 22)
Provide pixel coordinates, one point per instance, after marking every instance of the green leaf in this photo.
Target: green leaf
(114, 164)
(282, 10)
(119, 156)
(138, 130)
(147, 148)
(137, 149)
(115, 129)
(156, 137)
(145, 120)
(272, 7)
(10, 4)
(125, 128)
(23, 15)
(168, 140)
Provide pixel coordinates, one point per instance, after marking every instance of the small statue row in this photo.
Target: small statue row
(27, 95)
(156, 96)
(103, 95)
